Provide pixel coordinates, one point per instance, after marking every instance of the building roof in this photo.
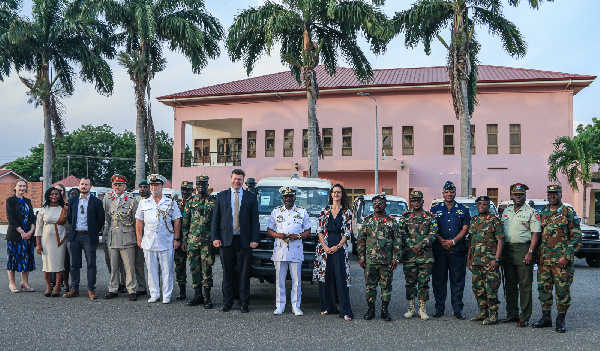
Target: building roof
(397, 77)
(69, 181)
(5, 172)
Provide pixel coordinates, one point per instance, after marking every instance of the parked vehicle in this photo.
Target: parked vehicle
(469, 203)
(363, 206)
(313, 195)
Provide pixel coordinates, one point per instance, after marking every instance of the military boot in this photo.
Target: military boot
(207, 303)
(560, 323)
(492, 319)
(385, 314)
(423, 311)
(371, 311)
(545, 321)
(181, 295)
(483, 314)
(198, 298)
(411, 310)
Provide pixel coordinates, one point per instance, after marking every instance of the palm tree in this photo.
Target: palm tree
(574, 158)
(49, 45)
(423, 23)
(145, 25)
(309, 31)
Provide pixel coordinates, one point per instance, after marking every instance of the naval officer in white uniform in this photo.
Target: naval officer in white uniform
(288, 224)
(159, 219)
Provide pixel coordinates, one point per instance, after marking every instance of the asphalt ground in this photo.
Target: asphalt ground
(35, 322)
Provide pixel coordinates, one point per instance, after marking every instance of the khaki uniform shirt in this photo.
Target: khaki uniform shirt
(120, 220)
(519, 225)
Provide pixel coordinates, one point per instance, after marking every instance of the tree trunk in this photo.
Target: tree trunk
(140, 130)
(47, 165)
(311, 97)
(584, 214)
(151, 143)
(465, 144)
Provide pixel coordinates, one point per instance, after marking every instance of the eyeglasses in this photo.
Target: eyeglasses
(418, 199)
(336, 192)
(289, 195)
(378, 202)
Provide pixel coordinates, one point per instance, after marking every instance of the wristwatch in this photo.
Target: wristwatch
(453, 242)
(496, 259)
(530, 251)
(176, 239)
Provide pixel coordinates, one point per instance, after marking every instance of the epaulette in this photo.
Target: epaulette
(278, 207)
(300, 207)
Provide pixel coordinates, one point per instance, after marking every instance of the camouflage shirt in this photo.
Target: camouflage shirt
(561, 235)
(485, 232)
(196, 221)
(420, 230)
(380, 240)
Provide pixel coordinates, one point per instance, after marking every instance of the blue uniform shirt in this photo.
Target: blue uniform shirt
(450, 223)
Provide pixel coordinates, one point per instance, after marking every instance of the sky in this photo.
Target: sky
(562, 36)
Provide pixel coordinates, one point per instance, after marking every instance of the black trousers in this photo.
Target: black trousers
(453, 266)
(233, 257)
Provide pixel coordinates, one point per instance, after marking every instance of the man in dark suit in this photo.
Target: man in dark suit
(235, 232)
(86, 217)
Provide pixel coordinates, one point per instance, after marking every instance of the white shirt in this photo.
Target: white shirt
(82, 225)
(158, 234)
(293, 221)
(240, 194)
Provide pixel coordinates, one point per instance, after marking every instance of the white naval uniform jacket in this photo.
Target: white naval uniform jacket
(157, 231)
(294, 221)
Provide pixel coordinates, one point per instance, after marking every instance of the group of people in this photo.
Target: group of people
(162, 235)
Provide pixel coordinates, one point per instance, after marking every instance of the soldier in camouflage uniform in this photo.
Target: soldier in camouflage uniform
(421, 229)
(197, 218)
(379, 250)
(485, 249)
(560, 239)
(180, 256)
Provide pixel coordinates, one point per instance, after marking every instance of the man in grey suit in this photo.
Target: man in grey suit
(235, 231)
(85, 214)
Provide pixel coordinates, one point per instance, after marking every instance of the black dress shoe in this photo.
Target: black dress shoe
(522, 324)
(110, 295)
(224, 308)
(459, 315)
(48, 294)
(122, 289)
(438, 313)
(510, 320)
(132, 297)
(244, 308)
(141, 293)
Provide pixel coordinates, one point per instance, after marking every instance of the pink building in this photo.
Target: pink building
(258, 124)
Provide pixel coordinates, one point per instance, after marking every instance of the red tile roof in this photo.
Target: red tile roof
(345, 78)
(69, 181)
(4, 172)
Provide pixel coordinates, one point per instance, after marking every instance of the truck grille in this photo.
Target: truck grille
(590, 234)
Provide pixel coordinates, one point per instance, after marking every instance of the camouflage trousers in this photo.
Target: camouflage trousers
(180, 271)
(380, 274)
(485, 287)
(417, 274)
(201, 259)
(559, 278)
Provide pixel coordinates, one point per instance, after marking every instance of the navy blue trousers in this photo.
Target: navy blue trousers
(453, 266)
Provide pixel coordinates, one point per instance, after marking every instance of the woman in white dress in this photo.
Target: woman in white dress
(51, 236)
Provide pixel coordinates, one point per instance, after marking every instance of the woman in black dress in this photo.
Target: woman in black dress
(332, 268)
(20, 243)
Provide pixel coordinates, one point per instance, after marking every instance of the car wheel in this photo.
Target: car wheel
(593, 261)
(354, 248)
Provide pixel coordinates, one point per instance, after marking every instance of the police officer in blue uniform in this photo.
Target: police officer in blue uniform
(450, 252)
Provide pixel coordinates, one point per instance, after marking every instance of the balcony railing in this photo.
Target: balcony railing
(214, 158)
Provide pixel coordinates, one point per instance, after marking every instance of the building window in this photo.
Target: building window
(492, 139)
(354, 193)
(408, 141)
(288, 143)
(269, 143)
(229, 150)
(515, 138)
(472, 139)
(388, 191)
(327, 141)
(493, 194)
(304, 142)
(474, 192)
(387, 142)
(448, 140)
(347, 141)
(251, 148)
(202, 151)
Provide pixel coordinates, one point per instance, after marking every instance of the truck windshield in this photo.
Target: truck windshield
(394, 208)
(312, 199)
